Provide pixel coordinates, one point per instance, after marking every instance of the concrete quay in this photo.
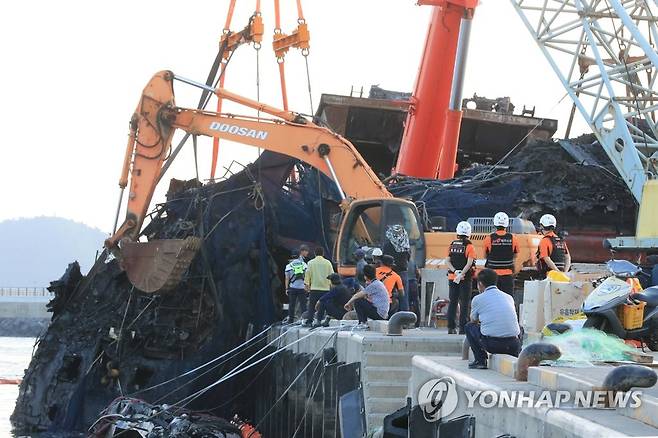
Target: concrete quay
(547, 422)
(393, 368)
(385, 360)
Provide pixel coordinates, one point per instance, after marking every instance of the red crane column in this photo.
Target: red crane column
(420, 151)
(453, 123)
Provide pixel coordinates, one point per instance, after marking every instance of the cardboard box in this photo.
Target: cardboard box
(544, 300)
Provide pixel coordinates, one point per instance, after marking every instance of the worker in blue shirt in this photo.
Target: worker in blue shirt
(333, 302)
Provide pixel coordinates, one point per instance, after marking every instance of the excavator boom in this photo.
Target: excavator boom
(307, 142)
(158, 265)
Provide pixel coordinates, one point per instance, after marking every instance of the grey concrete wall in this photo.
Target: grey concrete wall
(24, 307)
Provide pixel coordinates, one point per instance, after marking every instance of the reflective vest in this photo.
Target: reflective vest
(298, 270)
(557, 254)
(457, 254)
(501, 255)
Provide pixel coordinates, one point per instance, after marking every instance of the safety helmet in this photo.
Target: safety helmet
(377, 252)
(464, 229)
(501, 219)
(548, 220)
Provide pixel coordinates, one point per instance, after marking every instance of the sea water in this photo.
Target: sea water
(15, 354)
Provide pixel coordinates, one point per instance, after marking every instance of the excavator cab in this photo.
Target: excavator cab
(365, 224)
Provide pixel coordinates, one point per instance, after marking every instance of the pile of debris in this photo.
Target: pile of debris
(132, 417)
(108, 339)
(573, 180)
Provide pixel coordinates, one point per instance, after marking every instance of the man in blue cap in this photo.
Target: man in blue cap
(333, 302)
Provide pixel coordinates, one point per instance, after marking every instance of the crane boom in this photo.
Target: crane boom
(604, 54)
(429, 143)
(608, 67)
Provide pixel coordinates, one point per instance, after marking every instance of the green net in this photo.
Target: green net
(589, 345)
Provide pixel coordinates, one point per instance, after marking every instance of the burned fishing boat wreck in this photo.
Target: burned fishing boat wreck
(107, 339)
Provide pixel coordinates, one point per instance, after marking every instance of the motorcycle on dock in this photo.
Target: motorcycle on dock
(619, 307)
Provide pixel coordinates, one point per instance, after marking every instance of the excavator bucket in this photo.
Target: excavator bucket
(158, 265)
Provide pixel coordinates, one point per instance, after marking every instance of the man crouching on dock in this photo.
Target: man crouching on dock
(494, 326)
(372, 302)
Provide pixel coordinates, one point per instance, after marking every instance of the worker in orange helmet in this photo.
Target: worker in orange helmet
(501, 248)
(553, 253)
(461, 266)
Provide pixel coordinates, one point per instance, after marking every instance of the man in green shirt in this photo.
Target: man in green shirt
(316, 282)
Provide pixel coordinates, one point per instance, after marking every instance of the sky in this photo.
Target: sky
(73, 71)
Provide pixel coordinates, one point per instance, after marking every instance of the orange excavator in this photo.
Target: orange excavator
(368, 207)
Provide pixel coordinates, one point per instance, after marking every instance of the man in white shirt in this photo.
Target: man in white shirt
(494, 326)
(371, 302)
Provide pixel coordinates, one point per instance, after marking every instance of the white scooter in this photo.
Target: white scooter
(601, 306)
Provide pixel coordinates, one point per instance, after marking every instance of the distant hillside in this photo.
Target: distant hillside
(35, 251)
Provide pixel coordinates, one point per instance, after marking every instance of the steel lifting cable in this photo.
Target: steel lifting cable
(298, 39)
(305, 52)
(226, 33)
(203, 102)
(194, 379)
(324, 233)
(257, 49)
(233, 210)
(189, 372)
(280, 60)
(285, 392)
(125, 313)
(205, 94)
(228, 355)
(583, 72)
(308, 79)
(310, 397)
(231, 373)
(237, 370)
(246, 388)
(196, 158)
(257, 193)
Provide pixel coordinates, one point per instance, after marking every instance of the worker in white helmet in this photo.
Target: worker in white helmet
(377, 254)
(461, 266)
(501, 248)
(553, 253)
